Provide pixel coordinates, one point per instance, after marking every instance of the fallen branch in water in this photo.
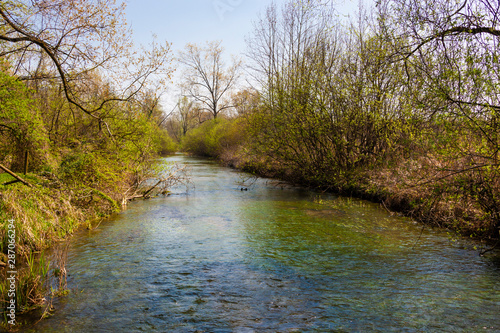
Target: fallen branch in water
(483, 252)
(177, 175)
(145, 195)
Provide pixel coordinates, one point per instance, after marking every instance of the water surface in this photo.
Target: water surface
(271, 259)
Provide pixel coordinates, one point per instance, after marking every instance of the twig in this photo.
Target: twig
(387, 209)
(489, 249)
(419, 236)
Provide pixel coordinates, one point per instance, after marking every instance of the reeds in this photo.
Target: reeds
(41, 278)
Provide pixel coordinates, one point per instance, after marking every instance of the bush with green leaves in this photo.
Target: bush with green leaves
(214, 137)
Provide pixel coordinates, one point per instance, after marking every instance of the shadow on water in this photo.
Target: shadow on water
(271, 259)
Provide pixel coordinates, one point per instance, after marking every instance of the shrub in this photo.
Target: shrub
(215, 137)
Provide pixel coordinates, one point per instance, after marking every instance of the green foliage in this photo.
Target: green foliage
(93, 175)
(214, 137)
(166, 144)
(21, 127)
(358, 111)
(81, 167)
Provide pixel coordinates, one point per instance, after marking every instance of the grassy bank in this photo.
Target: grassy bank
(41, 216)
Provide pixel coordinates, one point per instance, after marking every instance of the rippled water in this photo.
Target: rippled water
(271, 259)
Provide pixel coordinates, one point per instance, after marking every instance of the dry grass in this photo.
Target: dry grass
(441, 191)
(453, 193)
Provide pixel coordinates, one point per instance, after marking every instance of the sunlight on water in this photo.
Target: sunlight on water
(218, 259)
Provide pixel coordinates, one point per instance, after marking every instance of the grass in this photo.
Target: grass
(5, 177)
(32, 275)
(43, 215)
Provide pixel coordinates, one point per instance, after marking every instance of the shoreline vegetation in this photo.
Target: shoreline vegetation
(401, 189)
(80, 120)
(400, 106)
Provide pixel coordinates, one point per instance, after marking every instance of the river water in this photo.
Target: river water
(274, 258)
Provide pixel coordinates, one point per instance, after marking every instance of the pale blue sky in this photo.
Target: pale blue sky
(198, 21)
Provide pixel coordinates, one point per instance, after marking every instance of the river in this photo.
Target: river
(274, 258)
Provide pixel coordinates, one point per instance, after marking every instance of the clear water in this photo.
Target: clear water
(271, 259)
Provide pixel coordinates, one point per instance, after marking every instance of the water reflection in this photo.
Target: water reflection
(219, 259)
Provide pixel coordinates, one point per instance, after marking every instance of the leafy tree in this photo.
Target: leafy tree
(21, 127)
(68, 39)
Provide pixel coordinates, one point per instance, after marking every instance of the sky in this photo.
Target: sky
(198, 21)
(194, 21)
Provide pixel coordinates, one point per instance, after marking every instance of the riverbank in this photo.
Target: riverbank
(37, 218)
(41, 217)
(399, 189)
(417, 185)
(52, 210)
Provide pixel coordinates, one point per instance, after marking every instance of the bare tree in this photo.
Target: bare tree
(187, 114)
(245, 101)
(207, 77)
